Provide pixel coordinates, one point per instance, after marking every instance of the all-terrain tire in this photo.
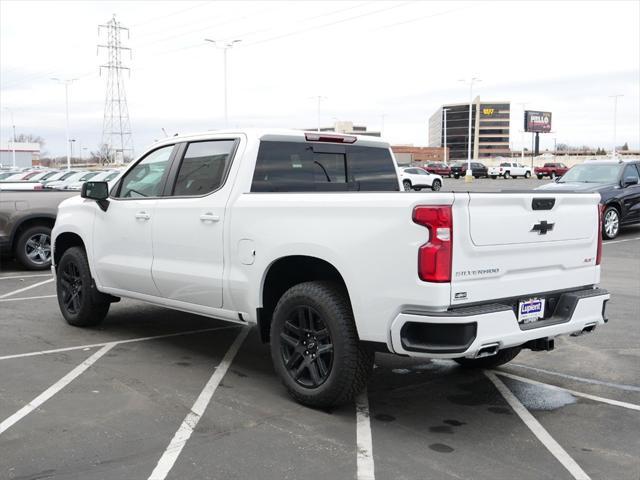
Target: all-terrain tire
(351, 362)
(503, 356)
(80, 304)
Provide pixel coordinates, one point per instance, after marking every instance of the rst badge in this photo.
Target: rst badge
(530, 310)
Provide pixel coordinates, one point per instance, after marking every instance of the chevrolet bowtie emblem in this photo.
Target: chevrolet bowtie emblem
(542, 228)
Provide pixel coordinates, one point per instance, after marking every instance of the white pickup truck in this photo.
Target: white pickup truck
(309, 236)
(509, 170)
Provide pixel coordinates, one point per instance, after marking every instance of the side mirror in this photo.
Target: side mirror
(98, 191)
(628, 181)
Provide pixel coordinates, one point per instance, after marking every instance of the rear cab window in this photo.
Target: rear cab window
(292, 166)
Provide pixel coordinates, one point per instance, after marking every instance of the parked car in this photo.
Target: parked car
(105, 176)
(478, 170)
(22, 176)
(551, 170)
(416, 178)
(59, 176)
(439, 168)
(24, 185)
(81, 176)
(5, 175)
(617, 182)
(26, 220)
(306, 235)
(510, 170)
(43, 176)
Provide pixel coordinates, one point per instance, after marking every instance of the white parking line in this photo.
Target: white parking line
(617, 403)
(364, 443)
(117, 342)
(538, 430)
(609, 242)
(27, 298)
(25, 276)
(26, 288)
(620, 386)
(53, 389)
(179, 440)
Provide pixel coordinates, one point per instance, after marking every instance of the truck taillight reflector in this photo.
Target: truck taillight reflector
(434, 257)
(599, 252)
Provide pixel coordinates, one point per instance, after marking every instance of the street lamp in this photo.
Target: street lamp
(66, 83)
(319, 98)
(71, 141)
(225, 46)
(13, 142)
(524, 104)
(615, 121)
(469, 175)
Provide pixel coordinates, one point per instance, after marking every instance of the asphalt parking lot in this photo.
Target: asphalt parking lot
(154, 393)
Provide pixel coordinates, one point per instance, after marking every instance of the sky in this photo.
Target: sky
(388, 64)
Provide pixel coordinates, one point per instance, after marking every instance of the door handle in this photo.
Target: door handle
(143, 216)
(209, 217)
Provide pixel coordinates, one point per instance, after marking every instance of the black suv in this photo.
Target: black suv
(459, 169)
(618, 183)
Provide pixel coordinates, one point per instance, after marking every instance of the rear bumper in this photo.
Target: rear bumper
(465, 331)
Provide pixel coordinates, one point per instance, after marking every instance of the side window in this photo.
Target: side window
(630, 172)
(309, 167)
(203, 168)
(146, 178)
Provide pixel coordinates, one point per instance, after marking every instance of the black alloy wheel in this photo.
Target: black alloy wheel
(80, 303)
(306, 347)
(71, 288)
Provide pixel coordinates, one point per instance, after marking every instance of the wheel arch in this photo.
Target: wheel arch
(29, 221)
(285, 272)
(63, 242)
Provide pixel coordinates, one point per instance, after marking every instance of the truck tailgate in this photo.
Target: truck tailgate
(514, 244)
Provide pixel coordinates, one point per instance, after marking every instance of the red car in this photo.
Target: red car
(438, 168)
(551, 170)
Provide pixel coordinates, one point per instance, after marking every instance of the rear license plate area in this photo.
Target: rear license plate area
(531, 310)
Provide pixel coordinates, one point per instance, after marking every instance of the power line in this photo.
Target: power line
(330, 24)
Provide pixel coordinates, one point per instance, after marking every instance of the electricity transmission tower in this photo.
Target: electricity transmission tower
(116, 127)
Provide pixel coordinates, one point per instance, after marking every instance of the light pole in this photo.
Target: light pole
(319, 98)
(66, 83)
(13, 142)
(445, 110)
(524, 105)
(469, 174)
(615, 121)
(225, 46)
(71, 142)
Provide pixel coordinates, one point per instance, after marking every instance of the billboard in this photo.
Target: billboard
(537, 121)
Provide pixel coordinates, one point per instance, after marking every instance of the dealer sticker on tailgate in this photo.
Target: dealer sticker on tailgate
(530, 310)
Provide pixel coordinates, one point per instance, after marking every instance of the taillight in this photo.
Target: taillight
(434, 257)
(600, 214)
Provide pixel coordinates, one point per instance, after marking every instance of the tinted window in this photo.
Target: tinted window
(203, 168)
(630, 172)
(305, 166)
(146, 178)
